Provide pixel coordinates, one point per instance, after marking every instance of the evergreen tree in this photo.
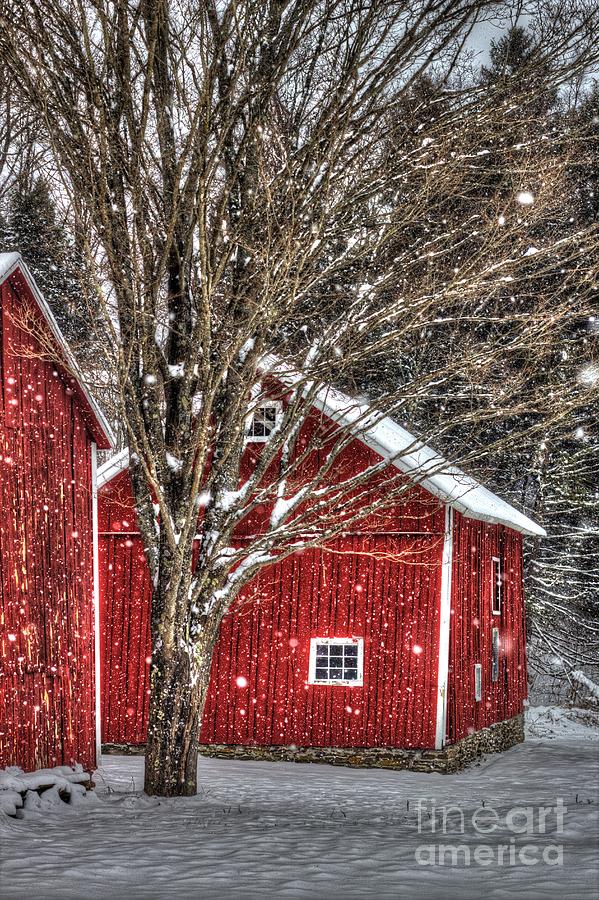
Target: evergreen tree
(553, 474)
(30, 225)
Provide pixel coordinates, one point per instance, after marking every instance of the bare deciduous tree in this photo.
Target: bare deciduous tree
(232, 163)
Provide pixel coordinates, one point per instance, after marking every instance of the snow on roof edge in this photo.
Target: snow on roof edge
(112, 467)
(393, 442)
(9, 263)
(416, 459)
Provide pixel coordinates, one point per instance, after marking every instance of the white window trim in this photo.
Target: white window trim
(96, 603)
(495, 642)
(496, 585)
(478, 682)
(355, 682)
(263, 438)
(444, 631)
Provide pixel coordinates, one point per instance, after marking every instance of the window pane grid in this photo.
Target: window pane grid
(263, 421)
(336, 662)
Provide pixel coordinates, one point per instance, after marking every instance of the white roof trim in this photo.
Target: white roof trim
(417, 460)
(382, 434)
(112, 467)
(9, 263)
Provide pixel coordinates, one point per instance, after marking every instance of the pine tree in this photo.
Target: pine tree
(553, 474)
(30, 226)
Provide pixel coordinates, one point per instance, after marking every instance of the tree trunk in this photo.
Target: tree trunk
(176, 705)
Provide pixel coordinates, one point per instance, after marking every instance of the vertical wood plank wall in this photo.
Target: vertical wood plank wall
(125, 639)
(472, 623)
(379, 586)
(46, 559)
(348, 589)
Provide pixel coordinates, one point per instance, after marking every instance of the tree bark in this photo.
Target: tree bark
(178, 692)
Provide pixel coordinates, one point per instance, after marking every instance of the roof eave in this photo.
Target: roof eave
(101, 432)
(113, 467)
(408, 464)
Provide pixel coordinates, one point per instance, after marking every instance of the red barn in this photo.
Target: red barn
(400, 644)
(50, 428)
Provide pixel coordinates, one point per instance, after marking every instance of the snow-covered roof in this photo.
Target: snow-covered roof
(8, 261)
(424, 465)
(417, 460)
(386, 437)
(9, 264)
(117, 463)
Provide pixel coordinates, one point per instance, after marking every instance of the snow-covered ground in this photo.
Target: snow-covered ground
(307, 831)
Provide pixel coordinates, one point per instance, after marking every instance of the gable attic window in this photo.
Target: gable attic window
(496, 585)
(336, 661)
(262, 421)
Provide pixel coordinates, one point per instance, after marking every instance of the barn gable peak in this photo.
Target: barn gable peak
(388, 439)
(420, 462)
(12, 264)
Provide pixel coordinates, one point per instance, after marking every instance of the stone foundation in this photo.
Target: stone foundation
(453, 758)
(124, 749)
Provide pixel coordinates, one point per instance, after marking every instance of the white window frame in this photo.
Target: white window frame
(496, 585)
(495, 654)
(478, 682)
(336, 641)
(263, 438)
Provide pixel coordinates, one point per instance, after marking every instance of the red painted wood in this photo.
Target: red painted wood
(382, 587)
(47, 714)
(348, 589)
(125, 641)
(475, 543)
(392, 604)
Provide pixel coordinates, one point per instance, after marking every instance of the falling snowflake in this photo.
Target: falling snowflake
(589, 375)
(525, 198)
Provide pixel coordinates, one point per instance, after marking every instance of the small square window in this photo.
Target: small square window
(336, 661)
(496, 585)
(262, 421)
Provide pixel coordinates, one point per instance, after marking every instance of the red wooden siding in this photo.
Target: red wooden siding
(353, 588)
(380, 586)
(125, 638)
(383, 590)
(46, 558)
(472, 622)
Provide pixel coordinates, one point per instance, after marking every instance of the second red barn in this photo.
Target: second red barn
(50, 430)
(399, 644)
